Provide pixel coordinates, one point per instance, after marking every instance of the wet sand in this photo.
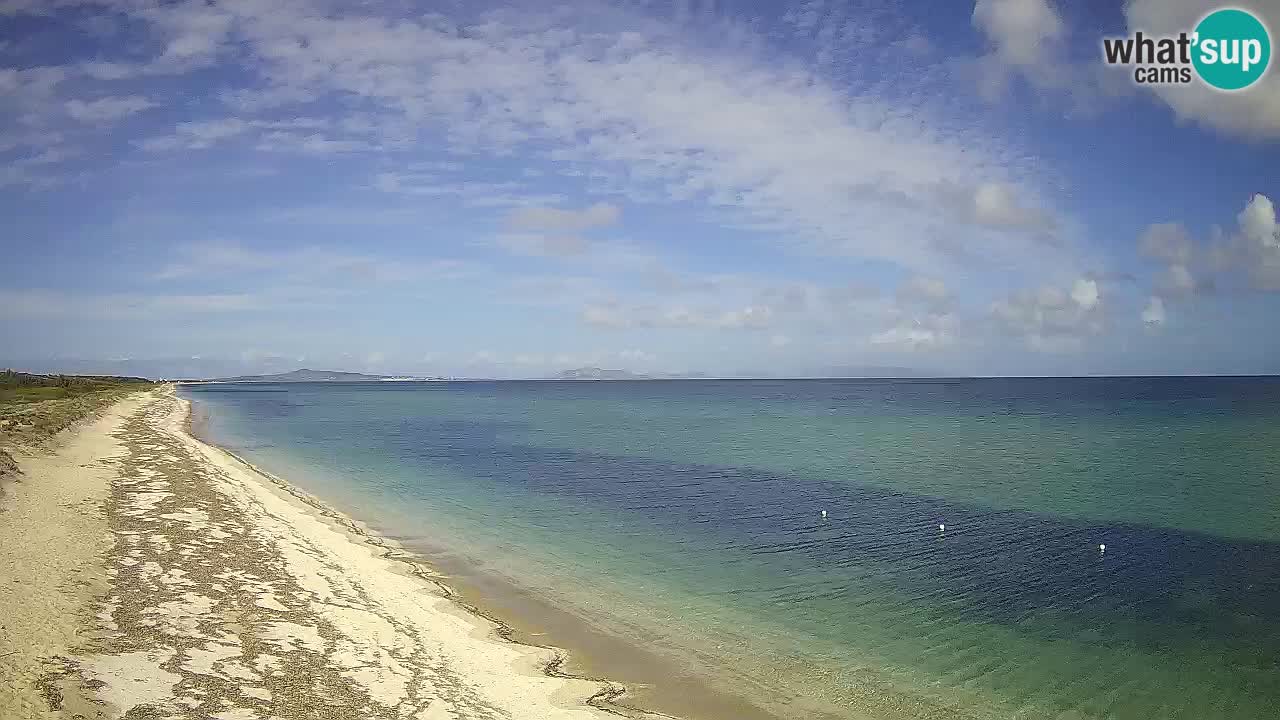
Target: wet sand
(145, 573)
(654, 683)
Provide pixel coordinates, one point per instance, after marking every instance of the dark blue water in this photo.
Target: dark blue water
(687, 516)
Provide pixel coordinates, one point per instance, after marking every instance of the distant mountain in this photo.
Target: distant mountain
(595, 373)
(308, 375)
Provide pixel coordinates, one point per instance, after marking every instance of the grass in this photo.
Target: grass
(17, 388)
(34, 408)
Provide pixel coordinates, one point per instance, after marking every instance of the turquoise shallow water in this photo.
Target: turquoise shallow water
(687, 517)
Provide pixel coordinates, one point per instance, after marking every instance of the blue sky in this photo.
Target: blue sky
(203, 188)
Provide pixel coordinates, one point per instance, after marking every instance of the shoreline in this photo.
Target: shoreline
(188, 584)
(637, 683)
(607, 698)
(491, 628)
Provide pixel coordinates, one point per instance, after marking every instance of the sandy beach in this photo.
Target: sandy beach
(144, 573)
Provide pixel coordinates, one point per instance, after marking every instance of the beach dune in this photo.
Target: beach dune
(147, 573)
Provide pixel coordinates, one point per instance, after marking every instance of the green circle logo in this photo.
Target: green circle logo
(1231, 49)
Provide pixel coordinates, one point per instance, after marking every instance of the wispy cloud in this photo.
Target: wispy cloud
(819, 177)
(107, 110)
(550, 219)
(648, 115)
(53, 304)
(555, 231)
(308, 263)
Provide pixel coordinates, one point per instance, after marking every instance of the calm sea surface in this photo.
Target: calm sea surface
(685, 518)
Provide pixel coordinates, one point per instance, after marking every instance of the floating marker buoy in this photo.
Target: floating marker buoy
(824, 513)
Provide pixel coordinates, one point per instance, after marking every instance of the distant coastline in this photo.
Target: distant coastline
(308, 375)
(595, 374)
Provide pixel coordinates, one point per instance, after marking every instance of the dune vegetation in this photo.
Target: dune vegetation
(34, 408)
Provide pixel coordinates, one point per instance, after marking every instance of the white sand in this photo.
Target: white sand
(53, 538)
(223, 593)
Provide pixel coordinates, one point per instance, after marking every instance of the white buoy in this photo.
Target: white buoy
(1102, 547)
(824, 513)
(942, 527)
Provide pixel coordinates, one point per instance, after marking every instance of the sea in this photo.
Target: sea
(950, 548)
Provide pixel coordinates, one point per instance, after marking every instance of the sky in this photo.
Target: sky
(732, 188)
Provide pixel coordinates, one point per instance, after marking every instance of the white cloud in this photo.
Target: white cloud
(911, 337)
(30, 84)
(921, 316)
(612, 314)
(1085, 293)
(567, 221)
(1258, 248)
(747, 317)
(104, 70)
(836, 164)
(1254, 113)
(1153, 314)
(271, 136)
(523, 363)
(49, 303)
(1171, 244)
(196, 135)
(916, 44)
(651, 117)
(108, 109)
(1052, 319)
(31, 116)
(35, 169)
(194, 33)
(505, 194)
(930, 289)
(29, 139)
(995, 204)
(1246, 258)
(1025, 37)
(1019, 30)
(311, 143)
(308, 263)
(554, 231)
(1258, 222)
(1177, 280)
(1166, 241)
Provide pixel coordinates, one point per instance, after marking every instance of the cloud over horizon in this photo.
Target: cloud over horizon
(820, 185)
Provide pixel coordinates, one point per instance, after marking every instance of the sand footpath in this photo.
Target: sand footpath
(53, 545)
(146, 574)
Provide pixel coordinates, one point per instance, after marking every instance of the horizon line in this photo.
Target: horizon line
(408, 378)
